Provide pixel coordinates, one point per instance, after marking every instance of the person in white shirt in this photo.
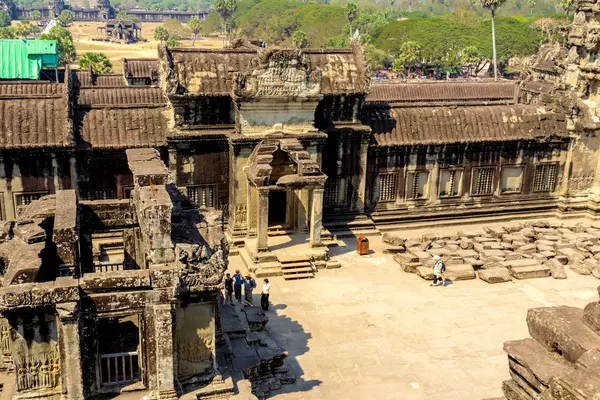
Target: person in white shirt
(264, 298)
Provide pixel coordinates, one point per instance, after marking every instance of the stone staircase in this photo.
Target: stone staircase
(276, 230)
(347, 225)
(561, 360)
(296, 267)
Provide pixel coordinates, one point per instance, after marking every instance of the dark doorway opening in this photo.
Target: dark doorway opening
(277, 205)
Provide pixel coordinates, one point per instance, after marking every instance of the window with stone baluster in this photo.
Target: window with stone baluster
(387, 186)
(450, 182)
(545, 177)
(416, 184)
(202, 195)
(483, 181)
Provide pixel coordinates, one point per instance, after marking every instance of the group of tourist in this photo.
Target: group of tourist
(233, 288)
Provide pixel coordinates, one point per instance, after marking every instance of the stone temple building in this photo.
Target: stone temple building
(116, 187)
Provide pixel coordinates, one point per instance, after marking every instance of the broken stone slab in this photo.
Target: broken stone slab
(391, 249)
(524, 262)
(482, 239)
(579, 384)
(406, 258)
(513, 391)
(572, 254)
(514, 256)
(333, 264)
(591, 316)
(535, 363)
(493, 253)
(422, 255)
(425, 272)
(468, 253)
(412, 243)
(596, 272)
(580, 268)
(527, 249)
(518, 243)
(557, 270)
(495, 275)
(548, 254)
(460, 272)
(561, 329)
(438, 252)
(392, 239)
(473, 262)
(530, 272)
(257, 319)
(543, 247)
(493, 246)
(540, 258)
(594, 249)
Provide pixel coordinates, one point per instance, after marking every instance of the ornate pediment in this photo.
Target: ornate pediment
(280, 74)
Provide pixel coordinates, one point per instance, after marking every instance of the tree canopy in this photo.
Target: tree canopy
(98, 63)
(64, 43)
(65, 18)
(4, 19)
(161, 34)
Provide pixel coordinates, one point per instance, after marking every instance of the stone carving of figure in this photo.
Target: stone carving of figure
(5, 339)
(45, 374)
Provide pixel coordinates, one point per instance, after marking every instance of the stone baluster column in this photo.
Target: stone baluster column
(73, 173)
(262, 220)
(316, 219)
(362, 176)
(173, 164)
(70, 351)
(303, 211)
(163, 336)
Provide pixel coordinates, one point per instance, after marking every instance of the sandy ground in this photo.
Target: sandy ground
(371, 331)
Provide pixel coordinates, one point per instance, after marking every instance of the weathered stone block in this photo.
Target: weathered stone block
(495, 275)
(425, 272)
(391, 249)
(530, 272)
(406, 258)
(473, 262)
(527, 249)
(562, 330)
(580, 268)
(524, 262)
(468, 253)
(458, 272)
(591, 316)
(392, 239)
(548, 254)
(557, 270)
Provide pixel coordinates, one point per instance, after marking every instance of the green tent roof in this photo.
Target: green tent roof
(24, 59)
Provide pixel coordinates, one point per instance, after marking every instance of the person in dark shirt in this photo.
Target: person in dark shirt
(238, 279)
(228, 288)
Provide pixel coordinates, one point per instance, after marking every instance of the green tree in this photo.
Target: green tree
(36, 15)
(299, 39)
(64, 43)
(25, 29)
(532, 4)
(157, 7)
(225, 9)
(122, 15)
(375, 58)
(65, 18)
(493, 5)
(4, 19)
(161, 34)
(6, 32)
(408, 55)
(98, 63)
(473, 59)
(196, 26)
(567, 5)
(173, 43)
(351, 13)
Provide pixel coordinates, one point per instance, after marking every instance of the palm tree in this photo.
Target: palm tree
(492, 5)
(225, 9)
(408, 56)
(351, 13)
(299, 39)
(195, 25)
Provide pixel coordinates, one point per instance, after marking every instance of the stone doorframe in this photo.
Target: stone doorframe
(308, 181)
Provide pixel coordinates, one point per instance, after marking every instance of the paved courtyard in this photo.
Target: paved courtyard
(371, 331)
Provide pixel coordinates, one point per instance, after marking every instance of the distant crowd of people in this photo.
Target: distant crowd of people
(233, 289)
(434, 76)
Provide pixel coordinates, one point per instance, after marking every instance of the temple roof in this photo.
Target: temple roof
(34, 115)
(442, 92)
(210, 72)
(140, 67)
(441, 125)
(83, 78)
(121, 117)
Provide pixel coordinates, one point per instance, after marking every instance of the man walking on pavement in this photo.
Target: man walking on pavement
(249, 286)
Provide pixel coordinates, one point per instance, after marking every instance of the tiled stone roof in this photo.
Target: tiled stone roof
(140, 67)
(441, 125)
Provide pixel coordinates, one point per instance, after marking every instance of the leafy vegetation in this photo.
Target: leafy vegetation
(299, 39)
(4, 19)
(98, 63)
(195, 26)
(161, 34)
(65, 18)
(64, 43)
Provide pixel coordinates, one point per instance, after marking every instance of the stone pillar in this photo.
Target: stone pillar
(55, 177)
(173, 165)
(316, 222)
(163, 337)
(262, 220)
(433, 183)
(73, 173)
(70, 351)
(362, 176)
(302, 209)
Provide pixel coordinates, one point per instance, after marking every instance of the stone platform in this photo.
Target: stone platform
(290, 256)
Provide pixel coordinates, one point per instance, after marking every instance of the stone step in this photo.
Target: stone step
(286, 266)
(268, 269)
(534, 363)
(292, 258)
(579, 384)
(513, 391)
(562, 330)
(530, 272)
(290, 271)
(247, 260)
(298, 276)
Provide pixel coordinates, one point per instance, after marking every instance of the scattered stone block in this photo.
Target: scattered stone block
(465, 244)
(392, 239)
(562, 259)
(422, 255)
(333, 264)
(524, 262)
(572, 255)
(438, 252)
(493, 253)
(591, 317)
(495, 275)
(594, 249)
(459, 272)
(467, 253)
(473, 262)
(514, 256)
(548, 254)
(540, 257)
(580, 268)
(406, 258)
(412, 243)
(527, 249)
(530, 272)
(391, 249)
(425, 272)
(543, 247)
(557, 270)
(518, 243)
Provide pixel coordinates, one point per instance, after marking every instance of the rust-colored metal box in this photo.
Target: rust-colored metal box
(362, 245)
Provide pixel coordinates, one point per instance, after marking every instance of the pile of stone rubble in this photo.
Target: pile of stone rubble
(523, 251)
(561, 360)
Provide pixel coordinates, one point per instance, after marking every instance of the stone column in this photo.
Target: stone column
(173, 165)
(433, 183)
(56, 178)
(302, 209)
(163, 337)
(73, 173)
(362, 176)
(262, 220)
(70, 351)
(316, 222)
